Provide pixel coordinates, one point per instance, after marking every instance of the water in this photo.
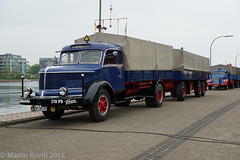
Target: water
(10, 93)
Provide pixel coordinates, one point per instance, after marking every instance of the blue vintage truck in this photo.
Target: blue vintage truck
(113, 70)
(224, 76)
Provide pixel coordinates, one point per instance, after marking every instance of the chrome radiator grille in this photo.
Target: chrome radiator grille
(215, 80)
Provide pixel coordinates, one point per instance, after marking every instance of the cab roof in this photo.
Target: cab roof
(87, 46)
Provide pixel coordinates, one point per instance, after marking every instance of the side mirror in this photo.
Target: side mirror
(115, 53)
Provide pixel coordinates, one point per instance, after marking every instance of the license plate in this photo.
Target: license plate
(39, 108)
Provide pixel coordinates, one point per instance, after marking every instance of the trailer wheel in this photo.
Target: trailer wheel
(99, 110)
(203, 88)
(53, 115)
(157, 99)
(210, 87)
(181, 91)
(197, 89)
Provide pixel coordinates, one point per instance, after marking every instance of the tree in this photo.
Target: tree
(6, 72)
(34, 69)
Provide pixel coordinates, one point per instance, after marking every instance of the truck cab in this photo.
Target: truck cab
(219, 79)
(88, 74)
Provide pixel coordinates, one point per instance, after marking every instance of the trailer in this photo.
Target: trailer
(224, 76)
(113, 70)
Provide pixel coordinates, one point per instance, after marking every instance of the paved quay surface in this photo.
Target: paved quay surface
(198, 128)
(18, 117)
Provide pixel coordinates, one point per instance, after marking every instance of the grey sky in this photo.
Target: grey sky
(37, 28)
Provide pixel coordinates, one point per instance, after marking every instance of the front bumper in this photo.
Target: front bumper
(59, 101)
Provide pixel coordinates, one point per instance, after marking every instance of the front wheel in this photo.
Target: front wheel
(99, 111)
(53, 115)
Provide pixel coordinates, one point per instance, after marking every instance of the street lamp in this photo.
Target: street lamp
(100, 16)
(236, 60)
(212, 44)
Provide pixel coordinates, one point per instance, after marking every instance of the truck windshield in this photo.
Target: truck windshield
(82, 57)
(221, 73)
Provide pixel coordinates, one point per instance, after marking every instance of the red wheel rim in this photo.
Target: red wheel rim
(103, 105)
(183, 91)
(160, 95)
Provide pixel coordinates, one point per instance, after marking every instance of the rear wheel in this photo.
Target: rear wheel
(99, 111)
(203, 88)
(237, 84)
(53, 115)
(210, 87)
(157, 99)
(181, 91)
(197, 89)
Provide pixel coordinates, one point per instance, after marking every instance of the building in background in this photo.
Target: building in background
(16, 63)
(47, 62)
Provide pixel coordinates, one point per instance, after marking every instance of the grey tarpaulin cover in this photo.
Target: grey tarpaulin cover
(146, 55)
(232, 70)
(183, 60)
(138, 54)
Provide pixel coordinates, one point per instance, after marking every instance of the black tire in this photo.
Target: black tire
(210, 87)
(125, 104)
(173, 94)
(226, 87)
(99, 110)
(203, 88)
(197, 89)
(237, 84)
(181, 91)
(149, 102)
(53, 115)
(157, 99)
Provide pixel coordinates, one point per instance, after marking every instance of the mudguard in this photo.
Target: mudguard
(94, 89)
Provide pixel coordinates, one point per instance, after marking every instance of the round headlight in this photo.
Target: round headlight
(63, 91)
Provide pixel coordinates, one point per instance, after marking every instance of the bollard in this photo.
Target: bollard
(22, 77)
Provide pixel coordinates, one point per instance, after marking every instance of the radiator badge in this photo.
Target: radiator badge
(70, 101)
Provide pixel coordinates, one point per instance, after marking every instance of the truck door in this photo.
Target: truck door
(113, 69)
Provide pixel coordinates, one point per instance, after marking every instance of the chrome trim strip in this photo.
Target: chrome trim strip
(58, 89)
(112, 65)
(45, 76)
(42, 94)
(73, 72)
(79, 95)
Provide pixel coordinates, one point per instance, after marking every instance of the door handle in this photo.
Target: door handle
(120, 72)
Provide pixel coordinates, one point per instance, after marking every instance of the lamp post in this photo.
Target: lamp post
(236, 60)
(212, 44)
(100, 15)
